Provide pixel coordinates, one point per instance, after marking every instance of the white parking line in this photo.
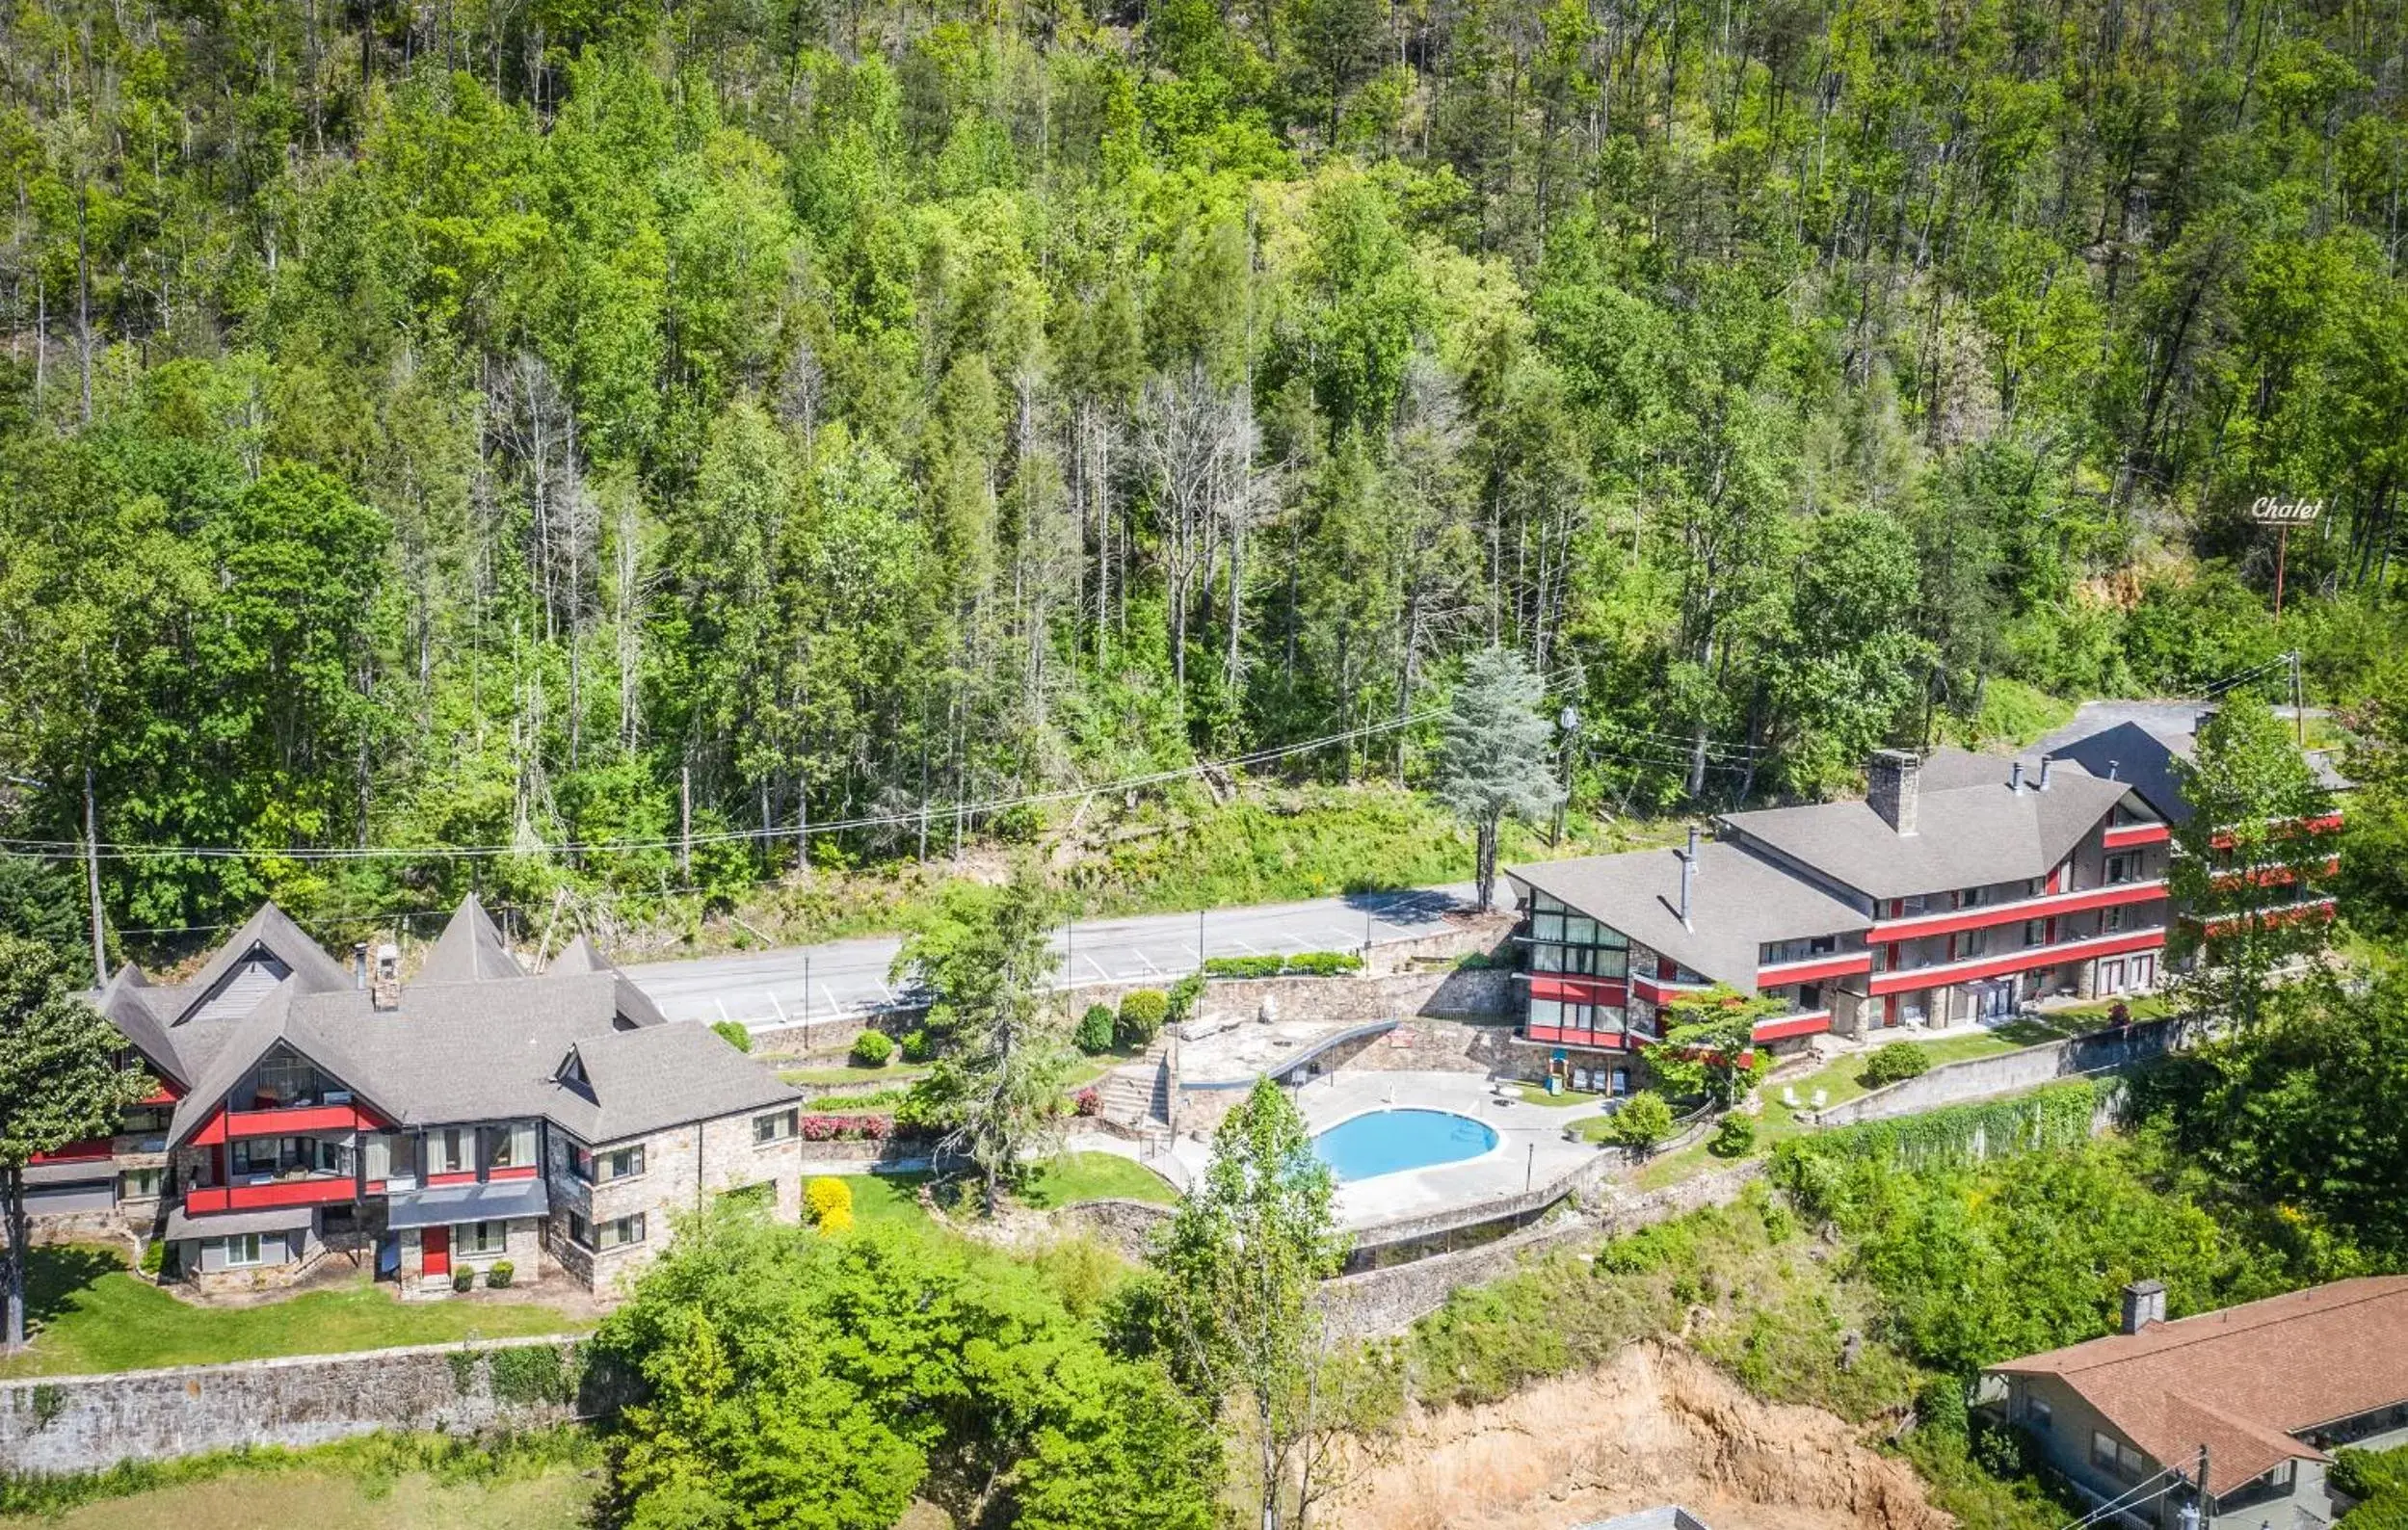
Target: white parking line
(1249, 947)
(1149, 961)
(1345, 938)
(1096, 967)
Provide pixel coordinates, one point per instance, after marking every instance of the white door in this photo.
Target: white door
(2111, 976)
(2144, 974)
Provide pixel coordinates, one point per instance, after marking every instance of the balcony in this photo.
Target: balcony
(1665, 990)
(1813, 968)
(288, 1120)
(1802, 1022)
(2124, 836)
(260, 1195)
(2031, 958)
(1983, 916)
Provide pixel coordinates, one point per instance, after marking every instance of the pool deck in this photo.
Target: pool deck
(1530, 1150)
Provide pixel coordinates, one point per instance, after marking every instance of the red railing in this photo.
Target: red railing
(1983, 916)
(2124, 836)
(1815, 969)
(2031, 958)
(1805, 1022)
(329, 1190)
(288, 1120)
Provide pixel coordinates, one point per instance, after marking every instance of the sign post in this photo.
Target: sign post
(2269, 510)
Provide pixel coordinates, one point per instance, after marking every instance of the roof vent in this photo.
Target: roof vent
(359, 963)
(2048, 764)
(1893, 782)
(1688, 875)
(2113, 765)
(2015, 777)
(2144, 1304)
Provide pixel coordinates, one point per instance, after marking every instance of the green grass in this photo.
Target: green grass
(897, 1075)
(1535, 1095)
(89, 1314)
(1095, 1176)
(890, 1200)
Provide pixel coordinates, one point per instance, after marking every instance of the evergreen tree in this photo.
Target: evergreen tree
(1494, 755)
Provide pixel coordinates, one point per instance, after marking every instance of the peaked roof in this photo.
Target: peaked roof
(1967, 832)
(470, 949)
(1737, 902)
(2247, 1381)
(268, 928)
(577, 956)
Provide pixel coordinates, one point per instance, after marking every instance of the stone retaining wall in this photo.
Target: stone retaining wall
(1126, 1225)
(2010, 1072)
(1388, 1300)
(63, 1424)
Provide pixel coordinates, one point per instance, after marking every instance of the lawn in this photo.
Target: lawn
(1095, 1176)
(89, 1314)
(1534, 1094)
(892, 1074)
(888, 1200)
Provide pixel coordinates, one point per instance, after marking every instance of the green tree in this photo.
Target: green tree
(1643, 1122)
(986, 959)
(1709, 1046)
(1494, 755)
(1241, 1263)
(2251, 861)
(61, 1081)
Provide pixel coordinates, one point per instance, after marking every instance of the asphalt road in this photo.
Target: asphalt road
(766, 989)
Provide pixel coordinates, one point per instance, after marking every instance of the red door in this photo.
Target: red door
(435, 1243)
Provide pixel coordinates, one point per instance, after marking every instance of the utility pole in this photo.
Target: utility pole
(2299, 702)
(92, 882)
(685, 822)
(1199, 946)
(1569, 722)
(806, 1001)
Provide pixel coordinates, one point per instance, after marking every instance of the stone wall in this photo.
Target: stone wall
(1385, 1301)
(2010, 1072)
(1126, 1225)
(87, 1423)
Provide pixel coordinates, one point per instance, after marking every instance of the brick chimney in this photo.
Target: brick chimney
(2144, 1304)
(1893, 782)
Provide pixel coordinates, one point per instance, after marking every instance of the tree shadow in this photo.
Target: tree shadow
(56, 1273)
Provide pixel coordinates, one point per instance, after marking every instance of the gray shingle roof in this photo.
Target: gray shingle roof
(471, 1050)
(470, 949)
(1737, 902)
(1966, 835)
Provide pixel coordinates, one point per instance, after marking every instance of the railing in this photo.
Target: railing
(315, 1190)
(1939, 974)
(285, 1120)
(1985, 915)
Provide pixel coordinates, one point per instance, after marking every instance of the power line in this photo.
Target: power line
(2118, 1505)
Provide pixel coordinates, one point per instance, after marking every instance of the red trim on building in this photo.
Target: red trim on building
(521, 1172)
(2125, 836)
(1593, 1040)
(466, 1176)
(1814, 969)
(211, 1131)
(1783, 1026)
(1579, 991)
(1662, 990)
(2316, 909)
(2033, 958)
(2325, 824)
(291, 1118)
(167, 1092)
(1989, 915)
(90, 1149)
(333, 1191)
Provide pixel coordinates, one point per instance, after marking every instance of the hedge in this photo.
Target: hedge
(1297, 965)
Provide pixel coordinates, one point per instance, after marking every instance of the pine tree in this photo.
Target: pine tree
(1493, 757)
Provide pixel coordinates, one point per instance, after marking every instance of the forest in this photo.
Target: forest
(556, 428)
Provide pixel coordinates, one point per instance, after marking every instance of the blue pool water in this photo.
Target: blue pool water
(1388, 1142)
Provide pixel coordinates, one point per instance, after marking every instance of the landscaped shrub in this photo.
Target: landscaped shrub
(501, 1274)
(2368, 1473)
(733, 1033)
(1735, 1137)
(1643, 1122)
(463, 1279)
(1243, 966)
(847, 1128)
(830, 1203)
(537, 1373)
(1094, 1029)
(1894, 1063)
(1323, 964)
(1300, 965)
(1089, 1101)
(872, 1049)
(1182, 997)
(917, 1045)
(154, 1257)
(1143, 1014)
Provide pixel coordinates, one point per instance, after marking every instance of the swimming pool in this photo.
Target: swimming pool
(1388, 1142)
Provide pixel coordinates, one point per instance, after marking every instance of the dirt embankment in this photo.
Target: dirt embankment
(1658, 1425)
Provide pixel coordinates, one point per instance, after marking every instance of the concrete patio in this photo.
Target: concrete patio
(1531, 1149)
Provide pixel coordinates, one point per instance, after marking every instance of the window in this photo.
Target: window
(620, 1163)
(2109, 1453)
(618, 1231)
(511, 1146)
(2110, 920)
(472, 1238)
(2120, 870)
(143, 1120)
(1547, 1012)
(139, 1184)
(2035, 932)
(2036, 1412)
(1546, 926)
(242, 1250)
(283, 1078)
(448, 1151)
(580, 1232)
(1969, 898)
(775, 1126)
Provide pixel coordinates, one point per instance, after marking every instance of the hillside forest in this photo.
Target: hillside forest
(541, 425)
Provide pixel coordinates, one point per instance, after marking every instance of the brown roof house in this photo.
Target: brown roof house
(2258, 1393)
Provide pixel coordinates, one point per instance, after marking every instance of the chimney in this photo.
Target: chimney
(2048, 764)
(2015, 777)
(384, 993)
(1688, 875)
(2144, 1304)
(359, 963)
(1892, 784)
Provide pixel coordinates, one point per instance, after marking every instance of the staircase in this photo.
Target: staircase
(1136, 1096)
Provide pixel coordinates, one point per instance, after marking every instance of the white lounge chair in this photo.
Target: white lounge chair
(1822, 1097)
(1790, 1096)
